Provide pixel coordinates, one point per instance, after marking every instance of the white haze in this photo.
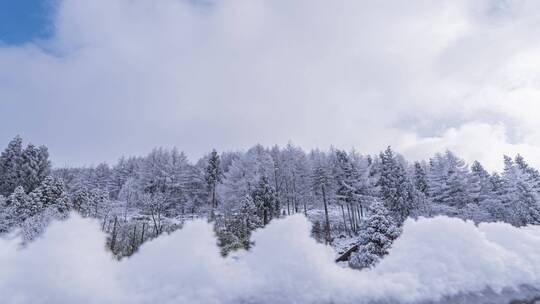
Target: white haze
(433, 258)
(122, 76)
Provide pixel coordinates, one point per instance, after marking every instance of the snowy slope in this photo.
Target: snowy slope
(438, 259)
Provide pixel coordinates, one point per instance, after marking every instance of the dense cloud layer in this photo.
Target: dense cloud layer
(123, 76)
(433, 257)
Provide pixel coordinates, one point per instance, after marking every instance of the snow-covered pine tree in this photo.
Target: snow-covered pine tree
(243, 175)
(98, 203)
(519, 198)
(51, 194)
(44, 164)
(396, 190)
(376, 234)
(5, 218)
(213, 176)
(294, 173)
(448, 180)
(35, 225)
(10, 163)
(347, 192)
(420, 178)
(481, 201)
(155, 172)
(264, 197)
(120, 173)
(30, 168)
(249, 214)
(321, 183)
(237, 229)
(480, 185)
(532, 173)
(16, 208)
(21, 206)
(101, 176)
(80, 201)
(194, 191)
(345, 176)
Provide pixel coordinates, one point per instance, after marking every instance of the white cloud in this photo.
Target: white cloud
(123, 76)
(472, 141)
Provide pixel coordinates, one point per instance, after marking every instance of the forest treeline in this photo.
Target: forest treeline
(139, 198)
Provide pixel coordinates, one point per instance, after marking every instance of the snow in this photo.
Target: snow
(433, 258)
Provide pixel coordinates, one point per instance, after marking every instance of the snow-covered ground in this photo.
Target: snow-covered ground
(437, 260)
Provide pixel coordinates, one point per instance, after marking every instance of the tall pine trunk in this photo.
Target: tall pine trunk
(327, 219)
(345, 220)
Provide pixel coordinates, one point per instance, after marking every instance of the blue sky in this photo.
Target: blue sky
(24, 20)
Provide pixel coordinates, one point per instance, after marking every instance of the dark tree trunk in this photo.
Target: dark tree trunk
(345, 220)
(113, 237)
(327, 219)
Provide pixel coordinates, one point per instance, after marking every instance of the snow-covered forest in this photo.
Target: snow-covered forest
(355, 203)
(139, 198)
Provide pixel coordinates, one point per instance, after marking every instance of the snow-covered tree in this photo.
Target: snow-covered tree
(396, 190)
(480, 185)
(243, 175)
(237, 230)
(376, 235)
(5, 217)
(321, 183)
(10, 166)
(21, 206)
(51, 193)
(520, 199)
(420, 178)
(155, 205)
(125, 169)
(346, 177)
(98, 203)
(129, 193)
(34, 226)
(449, 180)
(194, 191)
(347, 192)
(264, 198)
(80, 200)
(213, 177)
(30, 168)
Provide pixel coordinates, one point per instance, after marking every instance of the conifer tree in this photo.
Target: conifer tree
(10, 166)
(420, 178)
(397, 191)
(321, 183)
(30, 168)
(348, 188)
(5, 216)
(480, 185)
(264, 197)
(376, 234)
(51, 194)
(21, 206)
(80, 201)
(44, 164)
(213, 177)
(519, 198)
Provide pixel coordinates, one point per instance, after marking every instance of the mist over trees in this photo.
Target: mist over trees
(344, 193)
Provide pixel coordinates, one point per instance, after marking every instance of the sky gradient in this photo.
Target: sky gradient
(118, 77)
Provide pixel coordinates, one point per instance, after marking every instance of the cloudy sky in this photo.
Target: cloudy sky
(94, 80)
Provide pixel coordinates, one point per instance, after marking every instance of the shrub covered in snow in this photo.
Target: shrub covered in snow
(377, 233)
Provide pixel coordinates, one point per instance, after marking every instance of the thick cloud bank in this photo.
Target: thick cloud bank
(122, 76)
(433, 258)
